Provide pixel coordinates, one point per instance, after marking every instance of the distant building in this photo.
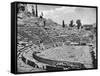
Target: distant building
(87, 27)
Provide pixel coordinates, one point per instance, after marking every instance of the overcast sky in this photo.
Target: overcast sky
(59, 13)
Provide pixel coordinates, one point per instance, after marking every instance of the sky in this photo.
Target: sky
(67, 13)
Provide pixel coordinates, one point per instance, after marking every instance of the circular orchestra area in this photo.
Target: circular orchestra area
(58, 58)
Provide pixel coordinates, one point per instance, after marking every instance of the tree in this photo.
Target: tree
(63, 24)
(78, 22)
(71, 23)
(44, 23)
(21, 7)
(36, 11)
(42, 14)
(33, 11)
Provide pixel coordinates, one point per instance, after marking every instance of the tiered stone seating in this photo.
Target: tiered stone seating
(30, 38)
(41, 35)
(25, 35)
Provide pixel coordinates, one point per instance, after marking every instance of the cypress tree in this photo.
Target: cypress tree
(44, 23)
(71, 23)
(63, 24)
(36, 11)
(33, 12)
